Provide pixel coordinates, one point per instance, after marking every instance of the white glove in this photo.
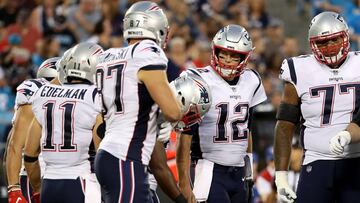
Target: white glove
(249, 175)
(339, 141)
(164, 131)
(284, 192)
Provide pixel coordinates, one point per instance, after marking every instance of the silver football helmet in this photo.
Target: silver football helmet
(145, 19)
(60, 64)
(80, 62)
(194, 95)
(48, 69)
(329, 26)
(232, 38)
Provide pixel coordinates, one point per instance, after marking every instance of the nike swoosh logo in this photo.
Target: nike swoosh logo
(18, 200)
(28, 85)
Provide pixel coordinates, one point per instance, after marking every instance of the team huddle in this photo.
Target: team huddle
(94, 124)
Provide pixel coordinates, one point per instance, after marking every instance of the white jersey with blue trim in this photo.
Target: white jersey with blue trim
(130, 112)
(329, 99)
(223, 132)
(67, 115)
(24, 92)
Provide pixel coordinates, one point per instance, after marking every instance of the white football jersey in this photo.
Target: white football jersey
(223, 132)
(67, 115)
(329, 99)
(24, 92)
(130, 112)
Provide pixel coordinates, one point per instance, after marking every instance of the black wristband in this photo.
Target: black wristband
(180, 199)
(30, 159)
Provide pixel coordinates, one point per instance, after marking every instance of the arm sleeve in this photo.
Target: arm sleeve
(149, 56)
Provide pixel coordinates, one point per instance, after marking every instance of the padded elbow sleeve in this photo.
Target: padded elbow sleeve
(288, 112)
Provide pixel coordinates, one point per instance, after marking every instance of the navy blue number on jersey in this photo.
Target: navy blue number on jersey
(237, 134)
(67, 109)
(118, 69)
(329, 94)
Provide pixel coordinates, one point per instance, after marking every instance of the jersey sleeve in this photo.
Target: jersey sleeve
(285, 72)
(149, 56)
(259, 93)
(25, 91)
(97, 100)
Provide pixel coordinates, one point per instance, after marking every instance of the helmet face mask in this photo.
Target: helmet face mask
(146, 20)
(329, 38)
(235, 40)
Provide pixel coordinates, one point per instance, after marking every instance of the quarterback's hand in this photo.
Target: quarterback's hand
(339, 141)
(15, 196)
(164, 131)
(284, 192)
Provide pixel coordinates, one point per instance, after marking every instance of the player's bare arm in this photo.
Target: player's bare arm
(354, 130)
(158, 86)
(182, 162)
(31, 154)
(284, 130)
(162, 172)
(250, 144)
(17, 142)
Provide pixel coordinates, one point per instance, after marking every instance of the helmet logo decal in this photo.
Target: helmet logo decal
(203, 93)
(154, 8)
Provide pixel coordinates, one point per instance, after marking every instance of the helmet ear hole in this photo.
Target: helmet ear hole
(182, 100)
(162, 33)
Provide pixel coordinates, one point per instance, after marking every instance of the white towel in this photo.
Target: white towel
(92, 189)
(203, 178)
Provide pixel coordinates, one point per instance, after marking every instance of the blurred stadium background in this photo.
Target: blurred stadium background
(34, 30)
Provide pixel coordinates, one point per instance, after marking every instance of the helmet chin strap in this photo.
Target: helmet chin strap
(226, 72)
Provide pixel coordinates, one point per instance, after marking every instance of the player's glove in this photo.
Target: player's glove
(339, 141)
(35, 197)
(164, 131)
(284, 192)
(248, 178)
(15, 195)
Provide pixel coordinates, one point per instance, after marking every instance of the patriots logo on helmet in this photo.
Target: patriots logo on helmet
(204, 94)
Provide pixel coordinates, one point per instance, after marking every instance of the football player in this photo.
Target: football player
(221, 142)
(65, 123)
(322, 92)
(133, 84)
(19, 189)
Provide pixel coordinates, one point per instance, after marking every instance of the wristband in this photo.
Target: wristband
(30, 159)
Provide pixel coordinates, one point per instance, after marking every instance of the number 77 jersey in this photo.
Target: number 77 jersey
(329, 99)
(130, 112)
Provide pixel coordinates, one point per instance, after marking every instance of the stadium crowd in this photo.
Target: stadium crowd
(32, 31)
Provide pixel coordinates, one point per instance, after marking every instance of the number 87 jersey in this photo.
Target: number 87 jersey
(129, 110)
(328, 100)
(223, 132)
